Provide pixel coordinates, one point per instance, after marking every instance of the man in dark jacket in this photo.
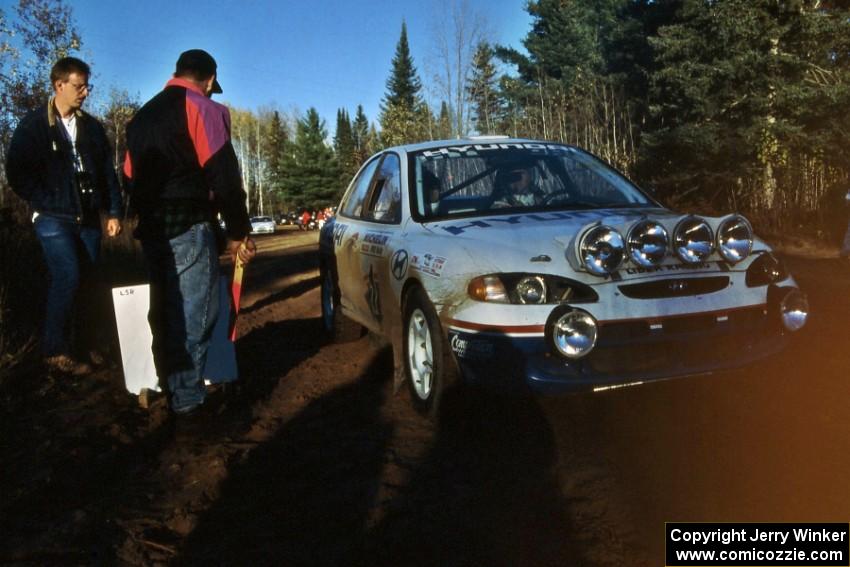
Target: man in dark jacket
(60, 162)
(182, 170)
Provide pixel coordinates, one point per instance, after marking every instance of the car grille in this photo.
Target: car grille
(676, 287)
(747, 320)
(680, 342)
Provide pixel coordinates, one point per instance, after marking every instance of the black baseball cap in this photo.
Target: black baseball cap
(200, 62)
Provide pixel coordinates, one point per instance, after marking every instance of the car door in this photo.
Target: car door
(381, 218)
(348, 230)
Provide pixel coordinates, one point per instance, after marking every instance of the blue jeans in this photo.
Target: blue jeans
(184, 307)
(845, 246)
(71, 251)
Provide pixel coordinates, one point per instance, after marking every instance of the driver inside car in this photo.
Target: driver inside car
(518, 188)
(431, 192)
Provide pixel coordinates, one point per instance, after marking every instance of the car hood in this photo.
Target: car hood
(544, 241)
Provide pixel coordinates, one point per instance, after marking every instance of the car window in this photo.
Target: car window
(481, 179)
(352, 205)
(385, 203)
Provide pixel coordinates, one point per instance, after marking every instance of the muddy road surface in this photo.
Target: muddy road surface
(315, 461)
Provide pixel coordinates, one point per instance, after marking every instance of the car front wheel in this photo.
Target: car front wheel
(428, 365)
(337, 327)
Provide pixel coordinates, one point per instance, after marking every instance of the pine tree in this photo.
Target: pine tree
(404, 85)
(747, 102)
(399, 108)
(360, 136)
(374, 141)
(398, 125)
(573, 85)
(444, 122)
(344, 148)
(713, 97)
(276, 142)
(483, 90)
(311, 170)
(426, 125)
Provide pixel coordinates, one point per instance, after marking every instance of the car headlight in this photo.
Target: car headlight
(693, 240)
(794, 310)
(648, 243)
(572, 332)
(735, 239)
(765, 270)
(602, 250)
(531, 289)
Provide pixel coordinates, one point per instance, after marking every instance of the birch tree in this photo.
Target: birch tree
(457, 30)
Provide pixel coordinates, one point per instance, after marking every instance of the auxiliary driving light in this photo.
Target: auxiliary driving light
(794, 310)
(693, 240)
(573, 333)
(735, 239)
(602, 250)
(648, 243)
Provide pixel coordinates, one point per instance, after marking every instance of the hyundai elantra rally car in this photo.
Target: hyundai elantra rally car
(517, 262)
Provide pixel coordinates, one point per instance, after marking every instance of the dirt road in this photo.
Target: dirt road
(318, 463)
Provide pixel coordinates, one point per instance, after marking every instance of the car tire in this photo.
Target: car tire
(428, 364)
(337, 327)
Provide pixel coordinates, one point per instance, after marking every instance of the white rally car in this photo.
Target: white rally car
(518, 262)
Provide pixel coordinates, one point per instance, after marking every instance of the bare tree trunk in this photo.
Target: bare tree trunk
(616, 153)
(460, 82)
(243, 170)
(542, 110)
(258, 170)
(455, 38)
(4, 186)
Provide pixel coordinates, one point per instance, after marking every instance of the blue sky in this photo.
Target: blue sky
(327, 53)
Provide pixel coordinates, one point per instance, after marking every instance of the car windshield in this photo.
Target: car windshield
(493, 178)
(261, 219)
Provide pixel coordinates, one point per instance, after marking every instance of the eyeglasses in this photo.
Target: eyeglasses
(82, 87)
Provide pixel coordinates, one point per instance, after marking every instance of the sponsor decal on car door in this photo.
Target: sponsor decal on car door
(382, 214)
(348, 239)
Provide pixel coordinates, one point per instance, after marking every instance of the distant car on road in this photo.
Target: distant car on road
(262, 225)
(526, 262)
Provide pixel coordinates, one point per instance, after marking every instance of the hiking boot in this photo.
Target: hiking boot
(66, 364)
(191, 425)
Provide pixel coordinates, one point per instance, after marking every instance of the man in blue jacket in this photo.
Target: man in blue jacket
(60, 162)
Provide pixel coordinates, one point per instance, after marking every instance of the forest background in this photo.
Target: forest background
(714, 105)
(719, 104)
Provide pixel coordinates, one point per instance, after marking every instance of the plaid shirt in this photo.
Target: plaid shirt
(174, 218)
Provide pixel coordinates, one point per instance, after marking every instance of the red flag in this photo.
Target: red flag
(236, 292)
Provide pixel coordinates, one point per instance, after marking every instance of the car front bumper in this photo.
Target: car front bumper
(626, 353)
